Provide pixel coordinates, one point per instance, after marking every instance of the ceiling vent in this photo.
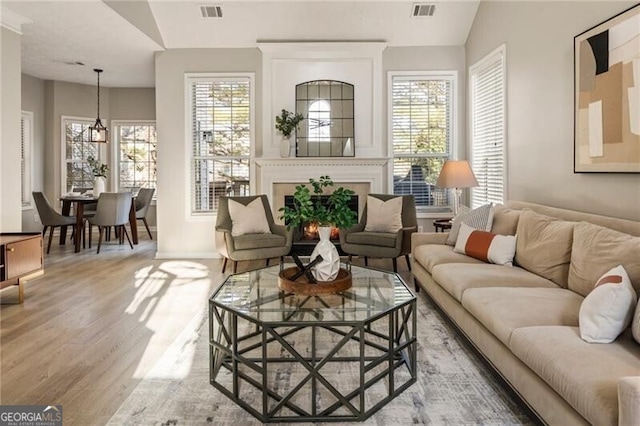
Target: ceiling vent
(423, 10)
(211, 11)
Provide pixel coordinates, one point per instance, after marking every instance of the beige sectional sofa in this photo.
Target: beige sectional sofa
(524, 319)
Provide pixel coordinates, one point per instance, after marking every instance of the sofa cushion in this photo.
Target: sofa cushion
(455, 278)
(258, 241)
(597, 249)
(430, 255)
(505, 220)
(584, 374)
(608, 309)
(635, 324)
(380, 239)
(486, 246)
(478, 218)
(544, 246)
(502, 310)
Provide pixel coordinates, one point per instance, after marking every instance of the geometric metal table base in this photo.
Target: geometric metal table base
(291, 370)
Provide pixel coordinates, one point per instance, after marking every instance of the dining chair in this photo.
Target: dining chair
(143, 201)
(113, 210)
(361, 240)
(51, 218)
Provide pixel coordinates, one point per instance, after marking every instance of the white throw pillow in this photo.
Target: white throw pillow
(608, 309)
(486, 246)
(384, 216)
(480, 218)
(249, 219)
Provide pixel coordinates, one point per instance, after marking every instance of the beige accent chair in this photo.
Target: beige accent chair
(113, 210)
(355, 241)
(249, 246)
(51, 218)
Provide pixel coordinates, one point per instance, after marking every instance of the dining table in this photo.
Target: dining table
(79, 202)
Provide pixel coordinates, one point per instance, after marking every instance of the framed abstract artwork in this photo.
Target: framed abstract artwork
(607, 96)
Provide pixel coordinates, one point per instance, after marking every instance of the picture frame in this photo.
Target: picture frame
(607, 96)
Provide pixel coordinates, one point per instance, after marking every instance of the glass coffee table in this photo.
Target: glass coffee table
(292, 358)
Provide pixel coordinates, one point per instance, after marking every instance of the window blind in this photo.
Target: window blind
(421, 132)
(488, 128)
(221, 139)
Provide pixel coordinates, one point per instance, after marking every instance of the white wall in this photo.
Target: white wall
(539, 40)
(10, 196)
(33, 101)
(179, 235)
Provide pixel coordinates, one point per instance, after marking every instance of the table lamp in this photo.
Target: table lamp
(456, 174)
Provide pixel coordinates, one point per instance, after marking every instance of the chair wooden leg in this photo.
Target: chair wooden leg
(416, 285)
(235, 266)
(51, 228)
(366, 261)
(126, 234)
(224, 265)
(350, 257)
(266, 263)
(146, 225)
(100, 232)
(406, 256)
(90, 234)
(395, 264)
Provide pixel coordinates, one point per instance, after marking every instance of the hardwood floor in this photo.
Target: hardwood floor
(94, 324)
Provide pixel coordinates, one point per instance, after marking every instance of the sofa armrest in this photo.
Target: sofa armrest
(629, 401)
(421, 238)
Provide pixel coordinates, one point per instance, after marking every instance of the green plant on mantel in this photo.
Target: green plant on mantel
(308, 208)
(287, 122)
(97, 168)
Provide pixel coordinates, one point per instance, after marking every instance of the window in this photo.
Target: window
(422, 133)
(26, 145)
(487, 92)
(137, 154)
(221, 120)
(76, 172)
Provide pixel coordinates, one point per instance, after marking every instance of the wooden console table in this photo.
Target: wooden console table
(20, 259)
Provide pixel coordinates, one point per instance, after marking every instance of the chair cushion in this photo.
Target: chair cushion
(383, 239)
(383, 216)
(257, 241)
(249, 219)
(584, 374)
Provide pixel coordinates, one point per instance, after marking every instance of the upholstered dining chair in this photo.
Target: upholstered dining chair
(50, 218)
(382, 231)
(245, 230)
(143, 201)
(113, 210)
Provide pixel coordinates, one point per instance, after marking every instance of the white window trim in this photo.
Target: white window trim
(115, 152)
(27, 186)
(451, 75)
(474, 69)
(190, 215)
(63, 149)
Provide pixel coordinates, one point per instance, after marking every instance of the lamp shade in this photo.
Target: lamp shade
(456, 174)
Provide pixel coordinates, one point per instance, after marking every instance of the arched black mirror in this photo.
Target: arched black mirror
(327, 130)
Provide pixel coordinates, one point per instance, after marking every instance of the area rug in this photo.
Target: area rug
(454, 387)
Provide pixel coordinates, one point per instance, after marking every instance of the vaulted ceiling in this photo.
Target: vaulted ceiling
(122, 37)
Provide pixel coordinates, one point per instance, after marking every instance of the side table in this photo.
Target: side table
(442, 225)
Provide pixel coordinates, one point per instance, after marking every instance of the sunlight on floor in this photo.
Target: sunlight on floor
(171, 297)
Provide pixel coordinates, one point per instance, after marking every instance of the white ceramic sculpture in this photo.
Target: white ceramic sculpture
(328, 269)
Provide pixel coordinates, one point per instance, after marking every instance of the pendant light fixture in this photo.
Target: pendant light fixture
(98, 133)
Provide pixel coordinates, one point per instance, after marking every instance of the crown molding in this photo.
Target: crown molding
(12, 20)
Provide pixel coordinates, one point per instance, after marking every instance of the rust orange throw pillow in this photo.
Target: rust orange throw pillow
(488, 247)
